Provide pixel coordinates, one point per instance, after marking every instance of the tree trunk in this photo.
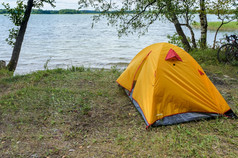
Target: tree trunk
(19, 39)
(215, 38)
(203, 22)
(180, 32)
(192, 35)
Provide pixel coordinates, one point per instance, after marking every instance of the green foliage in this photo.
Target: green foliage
(46, 64)
(223, 9)
(114, 69)
(16, 15)
(205, 56)
(175, 39)
(144, 12)
(78, 69)
(12, 36)
(40, 3)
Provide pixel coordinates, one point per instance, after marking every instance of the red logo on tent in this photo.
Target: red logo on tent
(201, 73)
(172, 55)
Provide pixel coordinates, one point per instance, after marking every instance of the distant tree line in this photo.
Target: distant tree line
(3, 11)
(74, 11)
(62, 11)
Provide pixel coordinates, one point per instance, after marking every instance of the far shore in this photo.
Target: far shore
(231, 26)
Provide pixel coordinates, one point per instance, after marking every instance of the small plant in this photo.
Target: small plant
(46, 63)
(85, 109)
(120, 138)
(114, 69)
(40, 137)
(78, 69)
(52, 122)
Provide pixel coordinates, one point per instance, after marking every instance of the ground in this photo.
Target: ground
(84, 113)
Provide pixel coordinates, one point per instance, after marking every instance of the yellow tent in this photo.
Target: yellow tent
(168, 86)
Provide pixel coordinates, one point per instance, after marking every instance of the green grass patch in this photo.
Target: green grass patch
(5, 73)
(82, 112)
(207, 58)
(231, 26)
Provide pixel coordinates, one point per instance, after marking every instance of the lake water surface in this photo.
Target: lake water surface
(68, 40)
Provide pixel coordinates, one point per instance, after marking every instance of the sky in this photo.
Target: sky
(60, 4)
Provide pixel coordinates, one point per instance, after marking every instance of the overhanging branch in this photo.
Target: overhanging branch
(137, 15)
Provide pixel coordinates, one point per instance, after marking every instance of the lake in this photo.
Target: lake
(69, 40)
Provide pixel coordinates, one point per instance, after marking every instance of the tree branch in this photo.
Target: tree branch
(137, 15)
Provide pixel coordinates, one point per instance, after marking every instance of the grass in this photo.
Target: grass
(231, 26)
(208, 60)
(83, 113)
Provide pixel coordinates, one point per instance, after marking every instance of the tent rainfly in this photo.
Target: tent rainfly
(167, 86)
